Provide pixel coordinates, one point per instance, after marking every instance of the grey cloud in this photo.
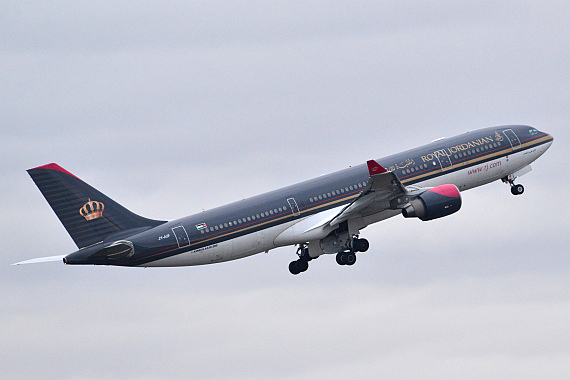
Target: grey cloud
(171, 108)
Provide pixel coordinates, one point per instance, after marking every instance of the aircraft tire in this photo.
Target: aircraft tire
(517, 189)
(361, 245)
(302, 265)
(340, 258)
(350, 258)
(293, 268)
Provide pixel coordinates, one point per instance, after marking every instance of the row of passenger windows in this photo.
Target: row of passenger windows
(337, 192)
(414, 169)
(244, 220)
(456, 156)
(483, 148)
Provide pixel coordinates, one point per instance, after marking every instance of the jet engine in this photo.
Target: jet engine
(434, 203)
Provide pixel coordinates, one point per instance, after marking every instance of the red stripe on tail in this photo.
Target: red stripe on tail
(55, 167)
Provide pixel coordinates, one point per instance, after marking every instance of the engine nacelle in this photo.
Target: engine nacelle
(434, 203)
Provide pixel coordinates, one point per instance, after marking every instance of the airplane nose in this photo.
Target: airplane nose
(549, 140)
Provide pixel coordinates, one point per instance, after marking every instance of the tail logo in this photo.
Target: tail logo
(92, 210)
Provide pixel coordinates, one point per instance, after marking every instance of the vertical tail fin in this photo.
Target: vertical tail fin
(88, 215)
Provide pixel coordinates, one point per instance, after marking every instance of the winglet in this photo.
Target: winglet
(375, 168)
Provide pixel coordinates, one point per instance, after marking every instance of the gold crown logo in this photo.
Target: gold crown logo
(498, 137)
(92, 210)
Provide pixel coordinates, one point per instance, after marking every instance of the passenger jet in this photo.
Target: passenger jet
(321, 216)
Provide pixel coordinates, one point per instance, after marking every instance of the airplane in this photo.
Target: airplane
(321, 216)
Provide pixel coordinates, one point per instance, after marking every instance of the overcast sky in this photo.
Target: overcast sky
(175, 107)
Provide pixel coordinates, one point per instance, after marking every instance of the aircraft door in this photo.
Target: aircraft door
(181, 236)
(513, 138)
(294, 207)
(443, 158)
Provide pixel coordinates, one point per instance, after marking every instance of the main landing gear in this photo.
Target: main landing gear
(344, 257)
(349, 257)
(515, 189)
(302, 263)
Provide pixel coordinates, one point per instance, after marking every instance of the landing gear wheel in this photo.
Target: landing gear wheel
(517, 189)
(302, 265)
(345, 258)
(293, 268)
(361, 245)
(298, 266)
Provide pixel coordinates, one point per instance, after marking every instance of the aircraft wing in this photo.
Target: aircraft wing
(382, 187)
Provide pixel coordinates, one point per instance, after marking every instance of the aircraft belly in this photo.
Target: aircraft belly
(243, 246)
(257, 242)
(205, 255)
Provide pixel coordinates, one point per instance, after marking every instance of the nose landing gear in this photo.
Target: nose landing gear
(515, 189)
